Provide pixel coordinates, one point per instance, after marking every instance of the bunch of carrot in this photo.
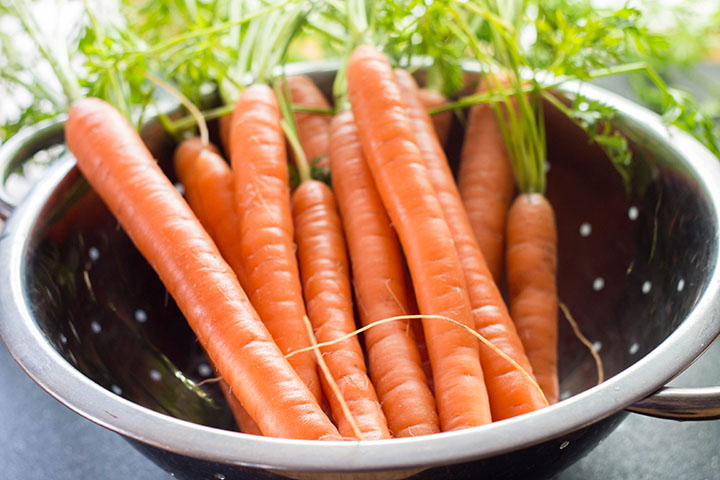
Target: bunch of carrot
(362, 310)
(391, 243)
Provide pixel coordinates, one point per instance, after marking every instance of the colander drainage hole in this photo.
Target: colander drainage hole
(140, 316)
(633, 213)
(634, 348)
(95, 326)
(219, 476)
(598, 284)
(585, 229)
(116, 389)
(680, 285)
(597, 346)
(646, 287)
(155, 375)
(93, 253)
(204, 370)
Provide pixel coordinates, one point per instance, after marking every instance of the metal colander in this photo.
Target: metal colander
(88, 319)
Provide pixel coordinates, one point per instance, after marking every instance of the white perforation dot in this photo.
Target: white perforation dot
(633, 213)
(585, 230)
(140, 315)
(204, 370)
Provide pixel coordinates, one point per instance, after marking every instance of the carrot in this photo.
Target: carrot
(531, 276)
(208, 185)
(381, 287)
(402, 181)
(120, 168)
(313, 129)
(326, 283)
(209, 189)
(242, 417)
(442, 121)
(265, 241)
(510, 390)
(486, 183)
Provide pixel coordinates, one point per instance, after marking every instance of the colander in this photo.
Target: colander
(86, 317)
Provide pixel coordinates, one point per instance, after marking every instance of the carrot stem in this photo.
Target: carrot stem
(194, 111)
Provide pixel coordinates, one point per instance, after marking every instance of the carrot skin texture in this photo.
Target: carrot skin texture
(403, 183)
(441, 121)
(487, 184)
(313, 128)
(326, 283)
(266, 239)
(120, 168)
(209, 189)
(510, 392)
(532, 284)
(208, 184)
(382, 288)
(241, 416)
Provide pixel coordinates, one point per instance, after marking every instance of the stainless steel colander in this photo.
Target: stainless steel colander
(86, 317)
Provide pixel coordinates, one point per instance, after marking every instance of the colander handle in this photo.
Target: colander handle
(681, 404)
(17, 151)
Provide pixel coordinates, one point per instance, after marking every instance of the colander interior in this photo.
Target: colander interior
(633, 260)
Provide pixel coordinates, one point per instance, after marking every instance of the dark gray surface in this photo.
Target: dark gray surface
(40, 438)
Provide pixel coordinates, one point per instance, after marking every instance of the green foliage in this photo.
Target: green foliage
(205, 46)
(417, 32)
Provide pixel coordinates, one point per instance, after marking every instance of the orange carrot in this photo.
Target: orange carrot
(209, 189)
(313, 129)
(265, 241)
(242, 417)
(531, 276)
(381, 287)
(207, 181)
(404, 186)
(510, 390)
(326, 283)
(120, 168)
(208, 185)
(441, 121)
(486, 183)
